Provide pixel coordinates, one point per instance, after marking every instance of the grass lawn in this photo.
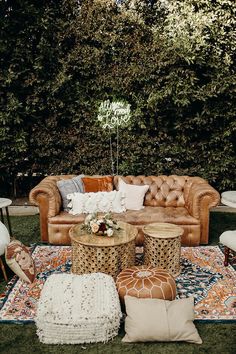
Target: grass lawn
(217, 337)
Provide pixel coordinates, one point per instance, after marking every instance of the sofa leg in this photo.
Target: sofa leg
(226, 261)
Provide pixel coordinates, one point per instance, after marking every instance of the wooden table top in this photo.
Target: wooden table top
(163, 230)
(125, 234)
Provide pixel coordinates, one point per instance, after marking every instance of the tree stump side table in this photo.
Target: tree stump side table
(162, 246)
(92, 253)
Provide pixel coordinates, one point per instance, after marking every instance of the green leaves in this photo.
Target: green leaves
(172, 61)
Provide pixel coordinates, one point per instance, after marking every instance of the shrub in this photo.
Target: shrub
(172, 61)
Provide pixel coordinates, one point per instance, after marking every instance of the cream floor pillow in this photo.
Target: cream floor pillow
(150, 320)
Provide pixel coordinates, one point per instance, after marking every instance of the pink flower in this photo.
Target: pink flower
(94, 227)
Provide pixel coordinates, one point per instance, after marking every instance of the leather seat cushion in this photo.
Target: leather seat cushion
(149, 214)
(65, 218)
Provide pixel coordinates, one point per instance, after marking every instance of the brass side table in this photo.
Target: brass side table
(92, 253)
(162, 246)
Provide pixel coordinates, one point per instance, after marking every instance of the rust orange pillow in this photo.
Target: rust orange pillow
(19, 259)
(98, 184)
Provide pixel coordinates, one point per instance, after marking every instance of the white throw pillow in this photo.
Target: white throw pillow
(91, 202)
(134, 195)
(75, 204)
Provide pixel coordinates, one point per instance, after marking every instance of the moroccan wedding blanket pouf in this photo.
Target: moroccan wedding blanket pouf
(78, 309)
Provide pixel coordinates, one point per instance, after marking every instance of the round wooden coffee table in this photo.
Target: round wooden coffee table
(162, 246)
(92, 253)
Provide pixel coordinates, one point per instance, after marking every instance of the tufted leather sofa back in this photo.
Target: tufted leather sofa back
(164, 191)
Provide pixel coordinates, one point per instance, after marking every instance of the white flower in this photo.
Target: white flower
(94, 227)
(110, 223)
(88, 219)
(109, 232)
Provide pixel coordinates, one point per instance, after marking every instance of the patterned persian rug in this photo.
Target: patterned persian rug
(203, 276)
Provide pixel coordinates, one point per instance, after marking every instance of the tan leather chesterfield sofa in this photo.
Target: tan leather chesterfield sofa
(181, 200)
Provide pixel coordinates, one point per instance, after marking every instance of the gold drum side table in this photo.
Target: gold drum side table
(162, 246)
(92, 253)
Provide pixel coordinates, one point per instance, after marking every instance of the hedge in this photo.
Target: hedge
(172, 61)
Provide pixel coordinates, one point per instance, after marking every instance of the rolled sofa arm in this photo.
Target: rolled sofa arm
(201, 197)
(47, 197)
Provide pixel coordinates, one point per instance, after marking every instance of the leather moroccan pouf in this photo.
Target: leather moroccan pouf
(146, 282)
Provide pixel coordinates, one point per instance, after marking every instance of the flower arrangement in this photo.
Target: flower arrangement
(100, 225)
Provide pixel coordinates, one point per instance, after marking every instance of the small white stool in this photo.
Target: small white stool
(228, 238)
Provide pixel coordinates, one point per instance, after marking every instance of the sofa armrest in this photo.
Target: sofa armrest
(47, 197)
(46, 192)
(199, 199)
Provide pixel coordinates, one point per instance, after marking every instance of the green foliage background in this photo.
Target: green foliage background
(173, 61)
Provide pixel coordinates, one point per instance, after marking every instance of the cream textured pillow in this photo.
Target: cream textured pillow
(134, 195)
(160, 320)
(103, 202)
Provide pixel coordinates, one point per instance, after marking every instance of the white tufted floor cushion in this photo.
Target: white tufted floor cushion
(78, 309)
